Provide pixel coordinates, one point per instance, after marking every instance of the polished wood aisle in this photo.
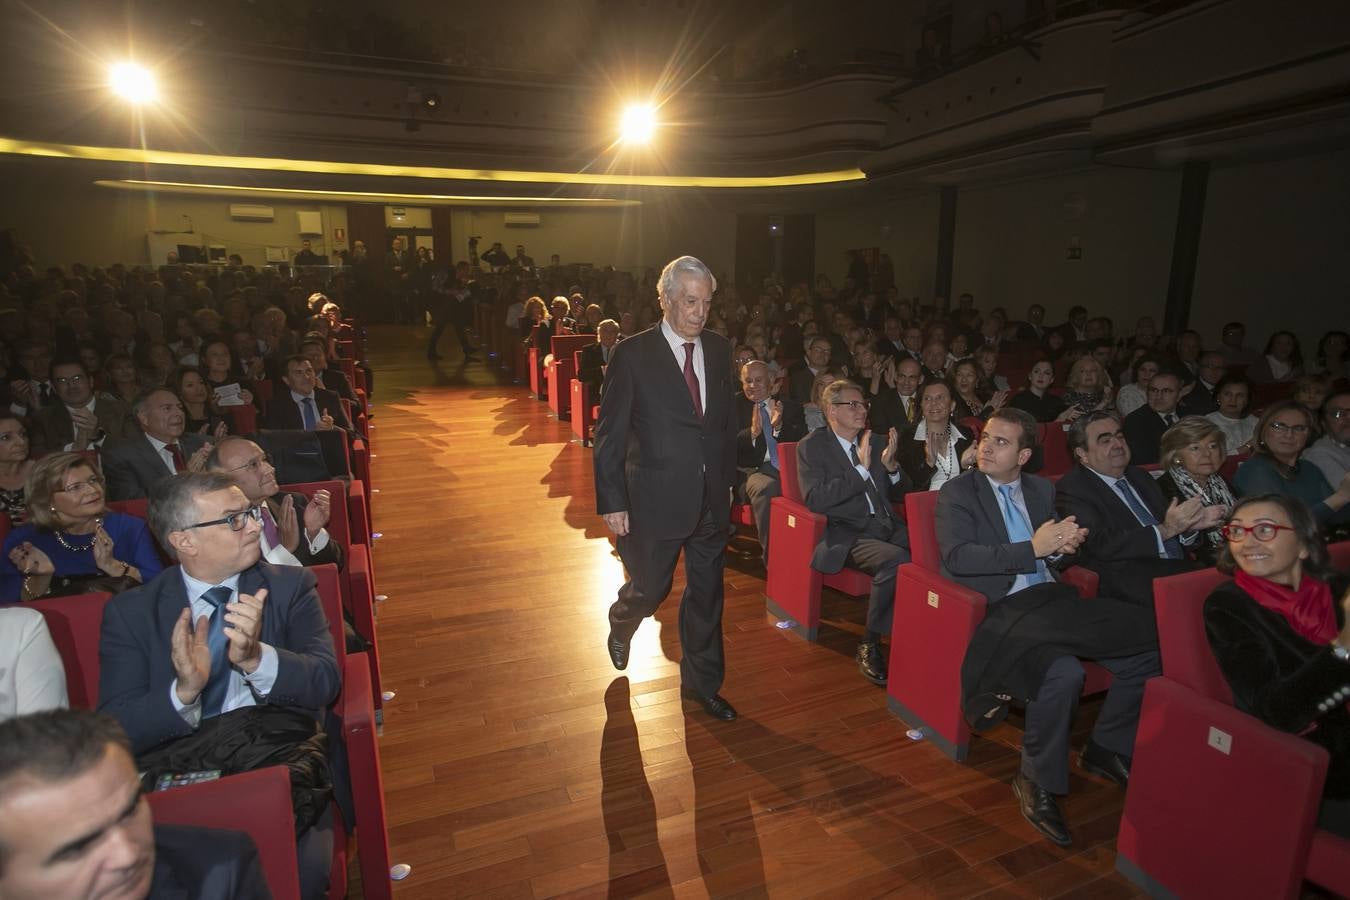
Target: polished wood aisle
(518, 763)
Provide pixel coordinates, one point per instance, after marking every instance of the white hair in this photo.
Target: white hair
(680, 268)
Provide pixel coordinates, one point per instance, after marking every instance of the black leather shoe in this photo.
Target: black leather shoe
(871, 663)
(1097, 760)
(618, 651)
(715, 706)
(1040, 809)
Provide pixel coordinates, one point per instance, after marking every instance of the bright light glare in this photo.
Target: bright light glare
(132, 83)
(638, 123)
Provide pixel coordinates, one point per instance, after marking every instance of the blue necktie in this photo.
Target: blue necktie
(1019, 530)
(218, 685)
(1141, 513)
(307, 410)
(767, 428)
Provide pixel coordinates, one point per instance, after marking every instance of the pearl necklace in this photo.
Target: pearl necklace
(61, 539)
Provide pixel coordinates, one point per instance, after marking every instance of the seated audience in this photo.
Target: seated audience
(223, 372)
(1037, 400)
(15, 464)
(1193, 452)
(991, 382)
(1275, 466)
(199, 405)
(1086, 388)
(1198, 396)
(120, 378)
(304, 406)
(535, 314)
(896, 404)
(1133, 395)
(1311, 391)
(79, 419)
(1133, 534)
(72, 544)
(1333, 355)
(331, 378)
(1145, 426)
(595, 358)
(767, 423)
(846, 479)
(812, 411)
(169, 663)
(803, 372)
(1234, 348)
(968, 402)
(74, 822)
(1281, 362)
(1232, 415)
(32, 676)
(997, 534)
(1330, 452)
(162, 447)
(284, 542)
(1278, 631)
(934, 362)
(935, 450)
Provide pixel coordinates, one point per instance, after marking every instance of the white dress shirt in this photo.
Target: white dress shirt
(1020, 582)
(1111, 481)
(242, 687)
(278, 554)
(677, 347)
(861, 469)
(32, 677)
(164, 454)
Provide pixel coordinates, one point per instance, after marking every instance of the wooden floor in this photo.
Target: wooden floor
(518, 763)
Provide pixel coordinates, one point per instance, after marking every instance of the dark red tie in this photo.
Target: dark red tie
(179, 465)
(691, 379)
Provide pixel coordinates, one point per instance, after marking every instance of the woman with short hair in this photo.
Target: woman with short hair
(1276, 467)
(1193, 451)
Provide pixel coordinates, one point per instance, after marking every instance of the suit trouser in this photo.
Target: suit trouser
(651, 568)
(760, 489)
(1045, 743)
(877, 556)
(314, 856)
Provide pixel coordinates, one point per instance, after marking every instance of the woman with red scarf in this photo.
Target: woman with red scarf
(1279, 634)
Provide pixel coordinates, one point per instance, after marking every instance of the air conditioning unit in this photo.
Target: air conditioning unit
(251, 213)
(522, 220)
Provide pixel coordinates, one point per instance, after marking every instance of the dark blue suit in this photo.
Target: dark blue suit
(136, 667)
(206, 864)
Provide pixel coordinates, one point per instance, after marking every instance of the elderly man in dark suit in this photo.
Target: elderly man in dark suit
(134, 465)
(802, 373)
(294, 529)
(665, 461)
(220, 631)
(844, 479)
(83, 419)
(595, 358)
(74, 822)
(767, 422)
(304, 405)
(1134, 535)
(1144, 428)
(997, 534)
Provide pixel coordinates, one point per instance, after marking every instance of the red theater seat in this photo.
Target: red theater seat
(1220, 804)
(76, 623)
(561, 369)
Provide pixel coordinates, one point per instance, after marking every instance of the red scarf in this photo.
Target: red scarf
(1308, 610)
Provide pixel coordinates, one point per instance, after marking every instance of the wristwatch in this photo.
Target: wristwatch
(1342, 653)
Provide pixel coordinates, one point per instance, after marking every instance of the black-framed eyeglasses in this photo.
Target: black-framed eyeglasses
(253, 465)
(68, 380)
(236, 520)
(1281, 427)
(92, 483)
(855, 404)
(1264, 532)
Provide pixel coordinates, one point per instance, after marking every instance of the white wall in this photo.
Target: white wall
(1012, 243)
(1273, 249)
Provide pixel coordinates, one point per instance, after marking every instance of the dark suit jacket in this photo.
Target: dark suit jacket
(132, 466)
(1119, 549)
(592, 371)
(799, 380)
(194, 863)
(53, 428)
(335, 380)
(1279, 676)
(1144, 430)
(651, 448)
(283, 414)
(791, 427)
(912, 456)
(331, 553)
(135, 668)
(1199, 402)
(832, 487)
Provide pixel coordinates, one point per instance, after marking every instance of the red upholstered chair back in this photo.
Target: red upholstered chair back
(339, 526)
(138, 508)
(1230, 466)
(1179, 604)
(1054, 449)
(787, 472)
(257, 803)
(5, 526)
(972, 425)
(264, 389)
(75, 624)
(1340, 556)
(920, 508)
(330, 594)
(242, 419)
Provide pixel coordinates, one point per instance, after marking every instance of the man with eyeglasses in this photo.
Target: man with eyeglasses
(1235, 352)
(1145, 427)
(1197, 398)
(220, 631)
(83, 419)
(1331, 452)
(1134, 534)
(284, 541)
(133, 465)
(846, 478)
(802, 373)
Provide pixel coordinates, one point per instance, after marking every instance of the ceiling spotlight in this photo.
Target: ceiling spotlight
(638, 123)
(132, 83)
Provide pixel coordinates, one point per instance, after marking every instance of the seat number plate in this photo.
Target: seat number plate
(1221, 741)
(933, 599)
